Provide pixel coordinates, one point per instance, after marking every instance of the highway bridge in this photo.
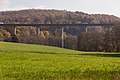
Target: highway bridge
(61, 25)
(38, 27)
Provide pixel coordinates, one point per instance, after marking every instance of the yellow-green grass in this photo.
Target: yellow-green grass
(35, 62)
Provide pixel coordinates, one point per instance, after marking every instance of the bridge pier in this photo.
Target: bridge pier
(62, 37)
(110, 28)
(86, 29)
(38, 30)
(13, 34)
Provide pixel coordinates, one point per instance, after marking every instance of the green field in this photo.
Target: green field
(34, 62)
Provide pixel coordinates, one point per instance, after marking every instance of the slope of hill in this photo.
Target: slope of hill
(34, 62)
(54, 16)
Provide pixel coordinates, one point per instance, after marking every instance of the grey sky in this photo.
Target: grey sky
(111, 7)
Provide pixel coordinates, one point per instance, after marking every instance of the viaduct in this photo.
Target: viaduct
(38, 27)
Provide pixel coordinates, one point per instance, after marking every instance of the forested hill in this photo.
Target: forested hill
(54, 17)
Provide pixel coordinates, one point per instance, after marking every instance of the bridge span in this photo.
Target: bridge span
(6, 25)
(38, 27)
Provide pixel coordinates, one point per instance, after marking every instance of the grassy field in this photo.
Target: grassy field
(33, 62)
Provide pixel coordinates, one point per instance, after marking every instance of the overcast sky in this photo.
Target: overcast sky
(111, 7)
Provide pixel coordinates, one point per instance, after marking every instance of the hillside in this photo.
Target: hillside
(34, 62)
(54, 16)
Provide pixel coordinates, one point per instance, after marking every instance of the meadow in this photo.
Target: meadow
(35, 62)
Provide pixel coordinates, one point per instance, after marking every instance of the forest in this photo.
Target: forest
(107, 40)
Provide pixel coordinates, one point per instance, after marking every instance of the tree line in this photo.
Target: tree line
(106, 40)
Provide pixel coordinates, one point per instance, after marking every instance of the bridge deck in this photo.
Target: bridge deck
(6, 25)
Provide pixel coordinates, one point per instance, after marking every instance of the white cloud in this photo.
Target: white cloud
(21, 8)
(4, 4)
